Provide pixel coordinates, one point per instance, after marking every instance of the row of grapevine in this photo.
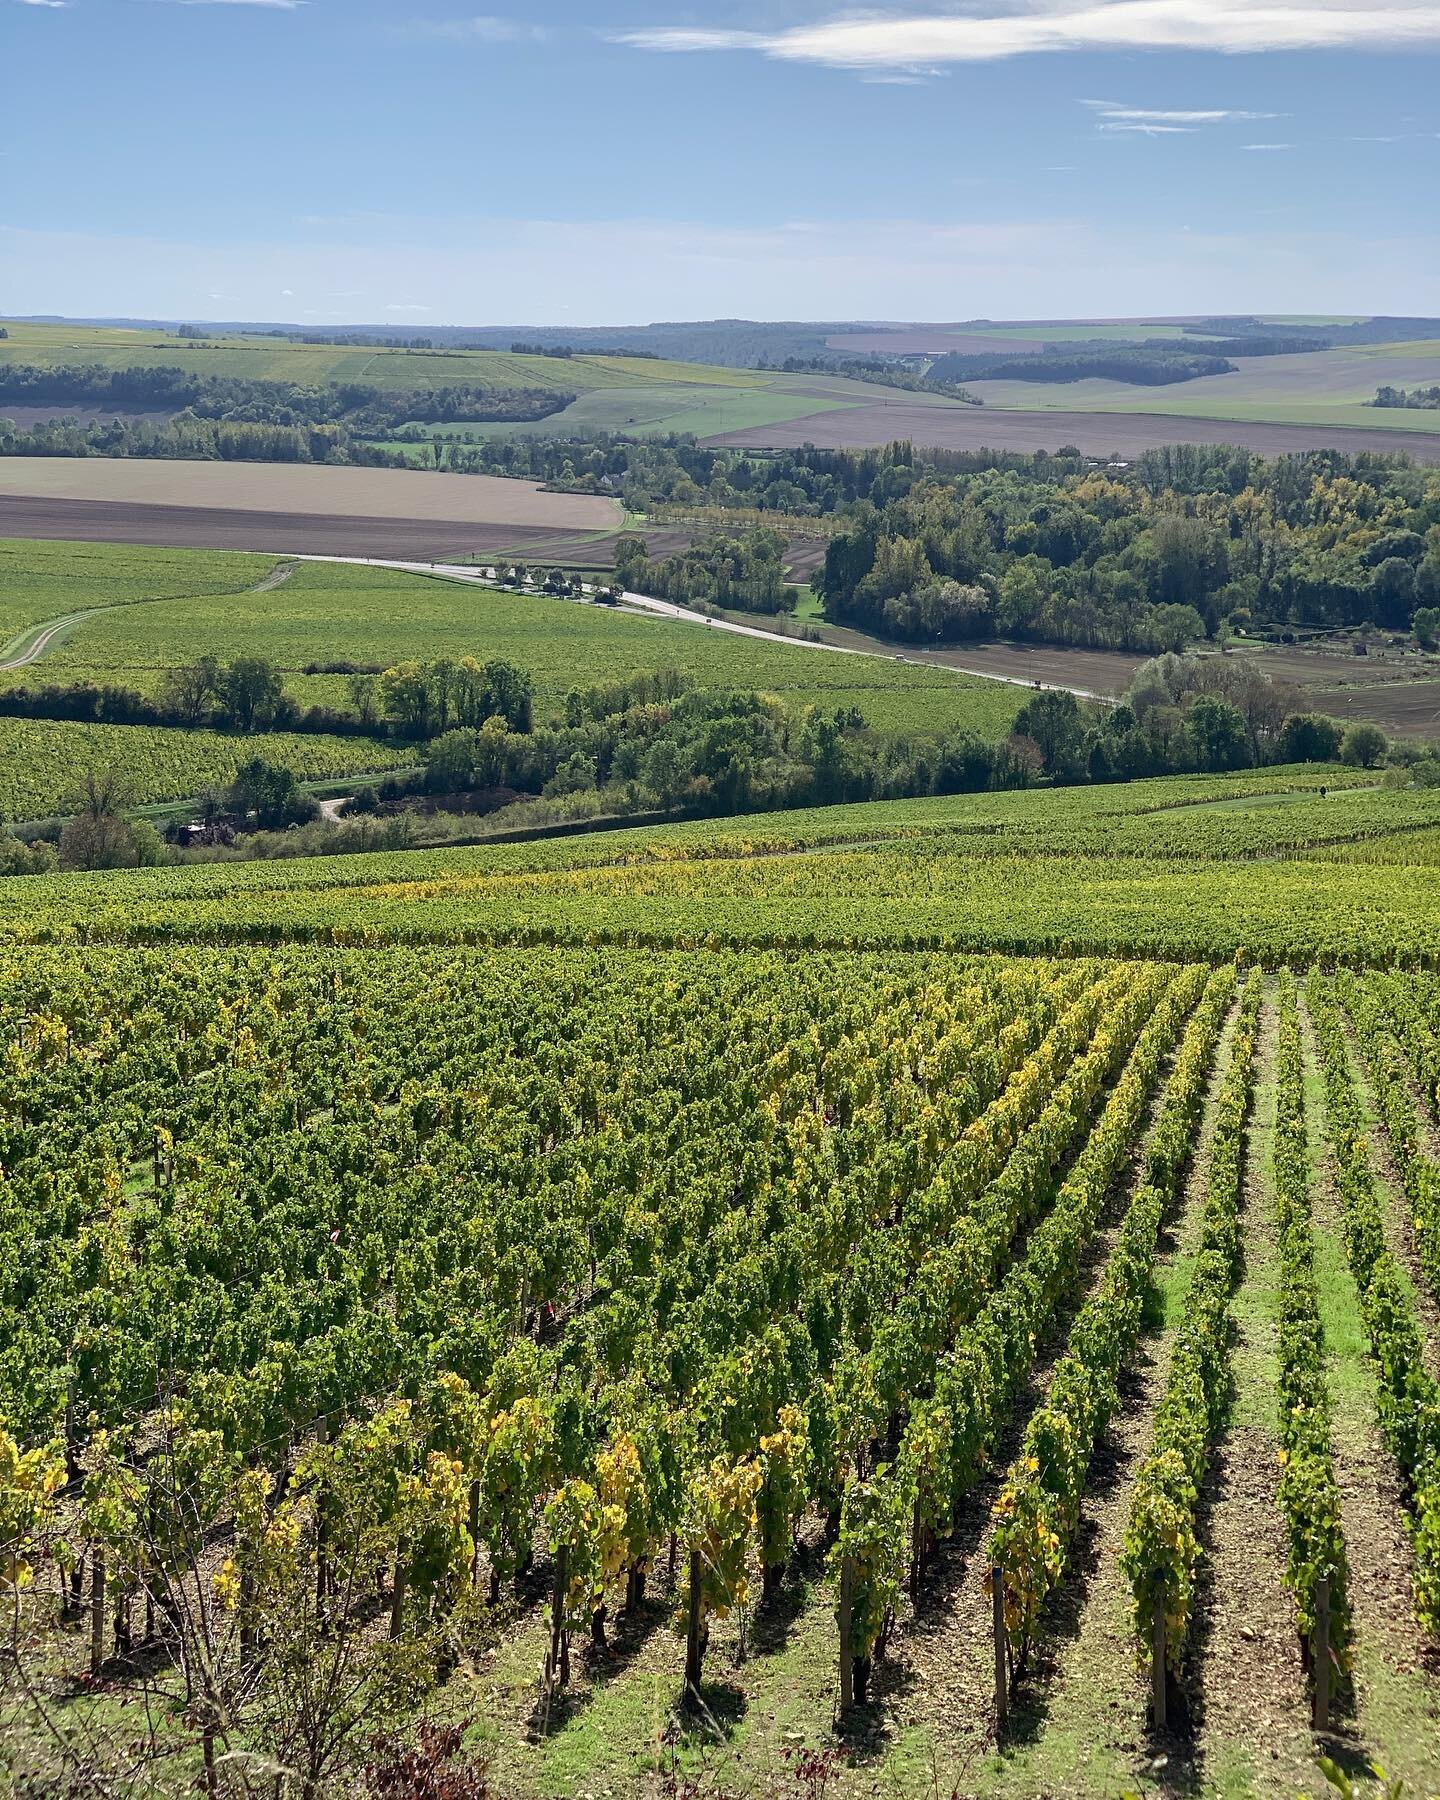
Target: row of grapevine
(1409, 1398)
(901, 1508)
(1162, 1546)
(621, 1292)
(1038, 1509)
(1309, 1494)
(1382, 1015)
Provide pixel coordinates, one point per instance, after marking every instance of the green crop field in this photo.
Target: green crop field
(702, 411)
(641, 1288)
(326, 612)
(279, 359)
(1324, 387)
(43, 762)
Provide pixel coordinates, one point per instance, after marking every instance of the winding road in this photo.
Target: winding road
(666, 609)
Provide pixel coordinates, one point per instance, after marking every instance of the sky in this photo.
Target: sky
(593, 162)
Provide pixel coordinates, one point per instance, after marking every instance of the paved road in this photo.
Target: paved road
(665, 609)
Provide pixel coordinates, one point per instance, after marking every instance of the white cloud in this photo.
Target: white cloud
(406, 306)
(993, 30)
(1267, 146)
(270, 5)
(49, 5)
(484, 29)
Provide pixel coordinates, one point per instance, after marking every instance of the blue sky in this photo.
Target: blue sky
(609, 161)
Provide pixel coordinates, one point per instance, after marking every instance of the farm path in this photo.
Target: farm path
(1397, 1704)
(36, 641)
(666, 609)
(33, 643)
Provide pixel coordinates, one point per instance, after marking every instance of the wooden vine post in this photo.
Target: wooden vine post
(557, 1663)
(97, 1610)
(1158, 1697)
(1322, 1654)
(693, 1645)
(847, 1648)
(1002, 1650)
(397, 1595)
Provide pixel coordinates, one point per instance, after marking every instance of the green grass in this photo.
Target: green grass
(328, 612)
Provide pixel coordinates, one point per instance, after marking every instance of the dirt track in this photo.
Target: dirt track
(1097, 434)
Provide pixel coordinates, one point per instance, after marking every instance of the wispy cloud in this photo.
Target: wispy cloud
(1158, 121)
(1267, 146)
(487, 28)
(1164, 115)
(992, 30)
(49, 5)
(406, 306)
(269, 5)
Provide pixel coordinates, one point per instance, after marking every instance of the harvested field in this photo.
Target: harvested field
(1104, 673)
(308, 488)
(1096, 433)
(294, 533)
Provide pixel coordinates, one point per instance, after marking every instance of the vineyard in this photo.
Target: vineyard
(1008, 1367)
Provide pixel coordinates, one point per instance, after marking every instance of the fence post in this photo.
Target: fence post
(847, 1649)
(1002, 1650)
(692, 1639)
(1158, 1699)
(1322, 1654)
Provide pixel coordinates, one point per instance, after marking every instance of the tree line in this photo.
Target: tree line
(360, 405)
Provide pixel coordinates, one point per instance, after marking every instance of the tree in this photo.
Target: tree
(1394, 589)
(1218, 734)
(1309, 738)
(270, 794)
(100, 836)
(408, 695)
(1053, 721)
(1175, 628)
(250, 692)
(1426, 625)
(965, 766)
(1364, 746)
(189, 690)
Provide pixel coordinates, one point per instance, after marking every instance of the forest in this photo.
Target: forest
(1186, 542)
